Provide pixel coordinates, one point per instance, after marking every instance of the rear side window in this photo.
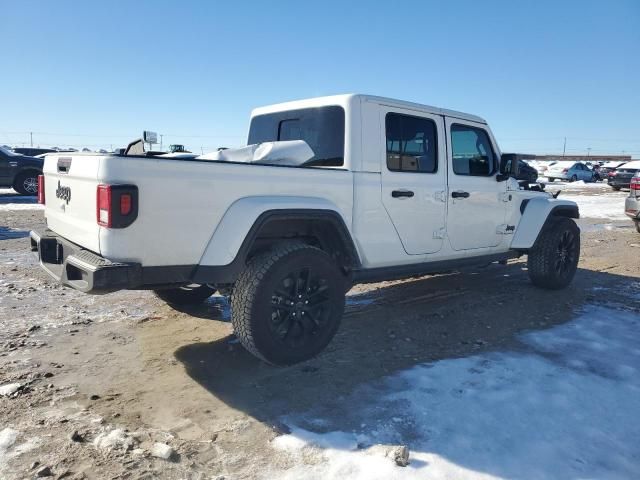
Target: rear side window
(472, 152)
(322, 128)
(411, 144)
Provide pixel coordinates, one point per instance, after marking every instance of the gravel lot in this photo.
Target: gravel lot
(123, 386)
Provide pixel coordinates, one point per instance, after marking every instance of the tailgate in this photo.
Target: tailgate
(70, 198)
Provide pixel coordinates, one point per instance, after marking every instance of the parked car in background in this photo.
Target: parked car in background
(608, 168)
(32, 151)
(19, 172)
(542, 167)
(621, 177)
(570, 171)
(632, 203)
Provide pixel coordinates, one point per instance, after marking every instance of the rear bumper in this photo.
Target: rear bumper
(632, 208)
(81, 269)
(622, 182)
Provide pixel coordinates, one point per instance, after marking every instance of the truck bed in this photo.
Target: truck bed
(180, 201)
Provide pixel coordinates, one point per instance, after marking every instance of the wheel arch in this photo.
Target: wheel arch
(536, 213)
(250, 225)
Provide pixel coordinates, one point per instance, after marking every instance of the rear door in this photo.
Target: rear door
(476, 207)
(414, 177)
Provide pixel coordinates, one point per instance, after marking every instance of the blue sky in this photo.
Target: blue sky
(98, 73)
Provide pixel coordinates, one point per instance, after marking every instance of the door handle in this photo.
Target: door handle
(402, 193)
(460, 194)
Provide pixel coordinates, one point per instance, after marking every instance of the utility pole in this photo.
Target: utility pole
(31, 137)
(161, 135)
(564, 148)
(588, 151)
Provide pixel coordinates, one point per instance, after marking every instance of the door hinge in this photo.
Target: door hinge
(505, 229)
(440, 233)
(506, 197)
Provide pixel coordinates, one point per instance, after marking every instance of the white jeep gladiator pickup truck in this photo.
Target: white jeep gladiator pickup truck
(386, 189)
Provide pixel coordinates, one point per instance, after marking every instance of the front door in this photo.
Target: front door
(476, 207)
(414, 178)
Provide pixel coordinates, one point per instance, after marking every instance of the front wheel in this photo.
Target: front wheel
(26, 183)
(573, 178)
(287, 304)
(551, 179)
(553, 260)
(617, 189)
(187, 295)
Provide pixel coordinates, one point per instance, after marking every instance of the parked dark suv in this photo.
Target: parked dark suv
(19, 172)
(33, 151)
(621, 178)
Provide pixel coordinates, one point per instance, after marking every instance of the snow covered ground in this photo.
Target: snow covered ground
(10, 200)
(595, 200)
(567, 406)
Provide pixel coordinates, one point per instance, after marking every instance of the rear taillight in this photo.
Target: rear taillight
(635, 183)
(116, 205)
(41, 189)
(103, 206)
(565, 170)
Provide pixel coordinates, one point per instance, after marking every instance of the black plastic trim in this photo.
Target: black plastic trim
(396, 272)
(229, 273)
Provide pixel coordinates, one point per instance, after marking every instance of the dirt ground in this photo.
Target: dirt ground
(103, 378)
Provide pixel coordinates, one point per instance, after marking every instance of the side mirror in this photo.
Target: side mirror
(509, 166)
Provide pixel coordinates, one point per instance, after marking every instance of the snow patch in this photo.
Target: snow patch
(9, 389)
(562, 410)
(114, 439)
(609, 206)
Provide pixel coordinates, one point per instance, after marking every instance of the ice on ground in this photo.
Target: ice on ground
(9, 389)
(162, 450)
(8, 437)
(566, 408)
(113, 439)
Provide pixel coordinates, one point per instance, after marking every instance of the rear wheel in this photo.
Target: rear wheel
(287, 304)
(573, 178)
(553, 260)
(187, 295)
(26, 183)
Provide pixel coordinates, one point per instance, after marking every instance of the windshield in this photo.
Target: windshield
(322, 128)
(6, 151)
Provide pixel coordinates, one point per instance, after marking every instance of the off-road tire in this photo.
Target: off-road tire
(25, 182)
(187, 295)
(262, 314)
(553, 260)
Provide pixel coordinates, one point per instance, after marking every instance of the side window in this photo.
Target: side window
(411, 144)
(472, 152)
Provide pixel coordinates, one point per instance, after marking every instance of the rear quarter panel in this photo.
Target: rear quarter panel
(181, 204)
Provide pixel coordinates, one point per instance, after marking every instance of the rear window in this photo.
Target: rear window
(322, 128)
